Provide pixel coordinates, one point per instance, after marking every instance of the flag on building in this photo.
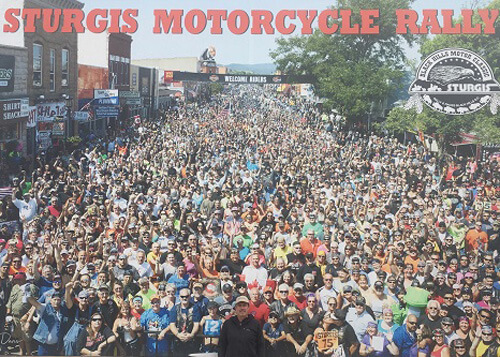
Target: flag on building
(5, 191)
(226, 111)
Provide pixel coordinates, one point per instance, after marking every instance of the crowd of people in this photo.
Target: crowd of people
(252, 225)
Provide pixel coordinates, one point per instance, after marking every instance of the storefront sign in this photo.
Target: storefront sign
(44, 140)
(107, 101)
(31, 117)
(106, 111)
(168, 76)
(129, 94)
(105, 93)
(134, 101)
(58, 127)
(7, 64)
(81, 116)
(48, 111)
(14, 109)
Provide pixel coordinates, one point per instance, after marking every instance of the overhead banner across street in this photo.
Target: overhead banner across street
(240, 78)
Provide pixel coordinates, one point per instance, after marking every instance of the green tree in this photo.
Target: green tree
(352, 72)
(445, 128)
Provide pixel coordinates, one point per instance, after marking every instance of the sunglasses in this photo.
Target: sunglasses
(96, 319)
(184, 296)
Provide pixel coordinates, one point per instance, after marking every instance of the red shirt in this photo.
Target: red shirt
(301, 302)
(260, 312)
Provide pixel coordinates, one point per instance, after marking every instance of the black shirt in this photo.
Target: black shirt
(234, 267)
(242, 339)
(109, 311)
(295, 261)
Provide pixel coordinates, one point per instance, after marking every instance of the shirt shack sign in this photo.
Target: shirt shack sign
(12, 109)
(7, 73)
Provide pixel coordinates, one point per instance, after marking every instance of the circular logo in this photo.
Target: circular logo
(455, 81)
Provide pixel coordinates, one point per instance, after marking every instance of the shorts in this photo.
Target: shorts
(20, 333)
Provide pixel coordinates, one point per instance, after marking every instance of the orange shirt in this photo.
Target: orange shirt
(308, 247)
(14, 271)
(414, 262)
(473, 238)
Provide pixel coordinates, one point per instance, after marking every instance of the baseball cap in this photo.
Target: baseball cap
(378, 285)
(360, 301)
(154, 297)
(242, 299)
(274, 314)
(347, 288)
(19, 275)
(83, 294)
(227, 288)
(447, 320)
(298, 286)
(240, 284)
(225, 268)
(103, 287)
(197, 285)
(212, 305)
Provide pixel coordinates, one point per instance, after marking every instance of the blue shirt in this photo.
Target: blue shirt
(404, 340)
(152, 321)
(180, 283)
(273, 333)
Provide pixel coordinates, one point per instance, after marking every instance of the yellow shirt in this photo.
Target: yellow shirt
(282, 253)
(151, 259)
(482, 348)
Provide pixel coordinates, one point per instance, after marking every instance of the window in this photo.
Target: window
(52, 70)
(126, 79)
(65, 67)
(37, 64)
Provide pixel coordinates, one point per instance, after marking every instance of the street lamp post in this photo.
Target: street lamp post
(69, 122)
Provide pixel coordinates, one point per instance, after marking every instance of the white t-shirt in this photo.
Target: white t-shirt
(27, 211)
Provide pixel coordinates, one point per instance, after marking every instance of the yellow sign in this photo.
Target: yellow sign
(327, 340)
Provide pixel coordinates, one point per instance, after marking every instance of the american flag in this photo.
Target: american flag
(87, 108)
(5, 191)
(226, 111)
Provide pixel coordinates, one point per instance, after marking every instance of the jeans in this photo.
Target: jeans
(48, 350)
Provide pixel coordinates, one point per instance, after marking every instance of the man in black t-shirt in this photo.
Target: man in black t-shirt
(296, 259)
(105, 306)
(234, 262)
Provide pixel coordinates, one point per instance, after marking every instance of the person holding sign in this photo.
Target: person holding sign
(376, 344)
(335, 337)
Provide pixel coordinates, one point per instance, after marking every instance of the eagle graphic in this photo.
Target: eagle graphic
(444, 75)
